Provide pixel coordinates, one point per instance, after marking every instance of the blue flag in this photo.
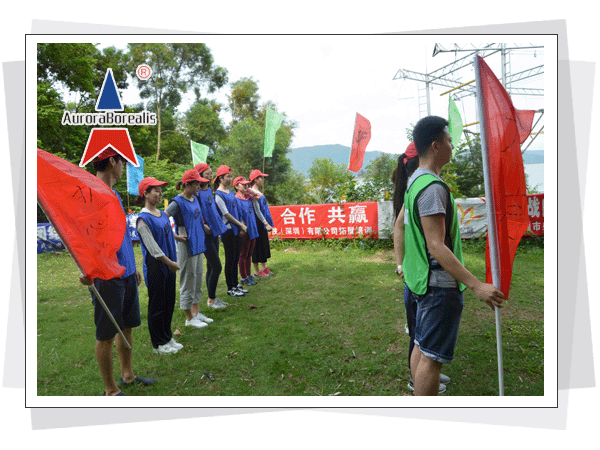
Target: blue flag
(134, 176)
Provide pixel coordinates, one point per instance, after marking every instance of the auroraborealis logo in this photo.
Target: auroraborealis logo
(101, 138)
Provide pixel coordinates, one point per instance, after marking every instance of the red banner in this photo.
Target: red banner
(330, 221)
(360, 139)
(535, 207)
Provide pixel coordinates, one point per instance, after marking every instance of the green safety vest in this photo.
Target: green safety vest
(415, 265)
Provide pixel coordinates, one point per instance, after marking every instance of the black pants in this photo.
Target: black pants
(213, 264)
(161, 302)
(231, 245)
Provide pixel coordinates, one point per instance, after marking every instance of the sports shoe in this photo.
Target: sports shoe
(445, 379)
(176, 345)
(235, 293)
(254, 281)
(217, 304)
(195, 323)
(267, 271)
(442, 387)
(246, 281)
(240, 288)
(164, 349)
(201, 317)
(260, 274)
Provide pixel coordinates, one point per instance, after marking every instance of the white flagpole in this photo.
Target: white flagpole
(492, 232)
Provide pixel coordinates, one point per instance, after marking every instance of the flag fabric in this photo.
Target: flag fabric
(455, 125)
(85, 213)
(505, 130)
(362, 136)
(199, 153)
(134, 176)
(273, 122)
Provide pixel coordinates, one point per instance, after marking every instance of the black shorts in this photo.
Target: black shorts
(121, 298)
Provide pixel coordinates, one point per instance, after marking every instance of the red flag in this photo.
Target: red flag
(362, 136)
(85, 213)
(506, 129)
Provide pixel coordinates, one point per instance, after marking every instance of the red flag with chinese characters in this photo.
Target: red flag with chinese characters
(85, 213)
(506, 129)
(362, 136)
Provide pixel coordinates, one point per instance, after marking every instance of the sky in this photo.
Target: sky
(322, 82)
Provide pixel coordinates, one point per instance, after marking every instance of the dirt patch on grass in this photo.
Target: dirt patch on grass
(380, 257)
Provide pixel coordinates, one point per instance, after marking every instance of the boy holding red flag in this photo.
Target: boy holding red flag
(119, 294)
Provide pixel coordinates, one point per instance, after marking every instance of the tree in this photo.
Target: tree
(203, 124)
(328, 181)
(175, 69)
(243, 100)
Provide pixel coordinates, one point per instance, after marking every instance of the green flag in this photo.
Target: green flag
(274, 121)
(199, 153)
(455, 127)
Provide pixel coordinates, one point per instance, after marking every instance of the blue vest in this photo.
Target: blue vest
(264, 209)
(125, 254)
(163, 235)
(232, 206)
(194, 224)
(247, 210)
(211, 213)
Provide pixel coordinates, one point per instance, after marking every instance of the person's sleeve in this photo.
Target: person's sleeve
(148, 240)
(221, 205)
(433, 200)
(174, 211)
(257, 211)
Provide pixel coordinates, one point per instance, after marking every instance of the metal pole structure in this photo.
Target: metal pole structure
(492, 232)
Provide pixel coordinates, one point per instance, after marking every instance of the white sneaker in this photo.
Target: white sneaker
(217, 304)
(195, 323)
(164, 349)
(176, 345)
(201, 317)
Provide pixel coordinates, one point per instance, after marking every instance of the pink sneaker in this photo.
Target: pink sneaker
(267, 271)
(260, 274)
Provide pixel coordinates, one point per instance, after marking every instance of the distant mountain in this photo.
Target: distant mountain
(302, 157)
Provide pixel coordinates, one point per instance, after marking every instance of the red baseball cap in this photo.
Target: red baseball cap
(256, 173)
(107, 153)
(410, 152)
(201, 167)
(147, 182)
(192, 175)
(222, 170)
(240, 180)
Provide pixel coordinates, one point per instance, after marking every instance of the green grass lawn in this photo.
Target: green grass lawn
(330, 321)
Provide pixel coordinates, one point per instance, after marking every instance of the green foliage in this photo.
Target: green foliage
(203, 124)
(243, 100)
(329, 182)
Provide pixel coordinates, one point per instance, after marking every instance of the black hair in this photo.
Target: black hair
(427, 130)
(100, 166)
(139, 200)
(217, 182)
(401, 175)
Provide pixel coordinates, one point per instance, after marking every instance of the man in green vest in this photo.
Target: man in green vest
(433, 267)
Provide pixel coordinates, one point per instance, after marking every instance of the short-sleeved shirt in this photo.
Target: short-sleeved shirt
(433, 200)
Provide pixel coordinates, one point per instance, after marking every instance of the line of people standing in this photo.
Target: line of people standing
(203, 215)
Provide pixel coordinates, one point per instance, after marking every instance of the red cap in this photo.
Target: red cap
(222, 170)
(411, 152)
(147, 182)
(106, 154)
(201, 167)
(192, 175)
(240, 180)
(256, 173)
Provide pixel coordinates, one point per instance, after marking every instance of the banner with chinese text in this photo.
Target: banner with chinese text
(330, 221)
